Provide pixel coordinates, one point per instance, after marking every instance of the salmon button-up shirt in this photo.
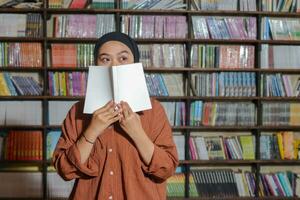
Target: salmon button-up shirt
(114, 169)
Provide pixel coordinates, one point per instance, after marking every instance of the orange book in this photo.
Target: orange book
(63, 55)
(288, 147)
(27, 152)
(35, 145)
(17, 145)
(229, 56)
(40, 143)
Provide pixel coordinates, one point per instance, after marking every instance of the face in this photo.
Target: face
(114, 53)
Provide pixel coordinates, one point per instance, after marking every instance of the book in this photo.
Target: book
(118, 83)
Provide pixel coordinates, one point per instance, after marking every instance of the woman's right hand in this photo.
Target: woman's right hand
(103, 118)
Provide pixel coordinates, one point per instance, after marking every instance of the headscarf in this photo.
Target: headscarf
(120, 37)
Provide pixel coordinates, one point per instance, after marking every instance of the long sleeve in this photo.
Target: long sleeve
(66, 156)
(165, 159)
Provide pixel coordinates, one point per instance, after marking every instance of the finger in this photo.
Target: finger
(114, 119)
(106, 107)
(125, 109)
(128, 108)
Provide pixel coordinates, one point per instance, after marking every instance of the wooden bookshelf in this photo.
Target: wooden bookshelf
(186, 71)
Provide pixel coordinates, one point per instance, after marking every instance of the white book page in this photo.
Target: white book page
(132, 87)
(99, 90)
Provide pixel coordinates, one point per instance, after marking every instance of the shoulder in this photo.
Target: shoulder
(157, 110)
(156, 107)
(77, 110)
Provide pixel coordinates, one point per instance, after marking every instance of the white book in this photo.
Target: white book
(118, 83)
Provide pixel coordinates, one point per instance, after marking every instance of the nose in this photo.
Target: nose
(115, 62)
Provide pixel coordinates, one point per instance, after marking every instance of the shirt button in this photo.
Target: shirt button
(111, 173)
(110, 197)
(110, 150)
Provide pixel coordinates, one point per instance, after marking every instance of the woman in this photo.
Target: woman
(116, 153)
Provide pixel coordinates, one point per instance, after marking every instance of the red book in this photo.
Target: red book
(78, 4)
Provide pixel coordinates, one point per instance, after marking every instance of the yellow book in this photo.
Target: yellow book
(296, 145)
(247, 144)
(295, 114)
(280, 144)
(63, 84)
(4, 91)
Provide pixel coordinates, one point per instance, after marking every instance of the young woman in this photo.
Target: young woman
(116, 153)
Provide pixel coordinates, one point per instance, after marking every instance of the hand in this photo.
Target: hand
(103, 118)
(130, 121)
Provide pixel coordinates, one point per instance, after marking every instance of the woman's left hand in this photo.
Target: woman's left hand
(130, 121)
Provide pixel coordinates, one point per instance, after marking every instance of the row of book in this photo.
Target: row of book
(222, 56)
(281, 5)
(83, 26)
(224, 84)
(27, 145)
(67, 3)
(280, 28)
(271, 56)
(279, 145)
(19, 85)
(72, 55)
(279, 85)
(93, 26)
(240, 147)
(282, 145)
(201, 113)
(17, 112)
(21, 25)
(162, 55)
(22, 145)
(230, 5)
(165, 84)
(223, 183)
(20, 54)
(28, 184)
(282, 113)
(67, 83)
(219, 183)
(226, 183)
(158, 26)
(17, 4)
(222, 114)
(176, 113)
(224, 27)
(176, 187)
(153, 4)
(57, 111)
(155, 55)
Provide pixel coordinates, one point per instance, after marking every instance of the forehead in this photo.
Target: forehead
(113, 47)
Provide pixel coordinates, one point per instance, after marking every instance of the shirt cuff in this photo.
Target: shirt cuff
(154, 163)
(89, 168)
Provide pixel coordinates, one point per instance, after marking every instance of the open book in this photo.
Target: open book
(120, 83)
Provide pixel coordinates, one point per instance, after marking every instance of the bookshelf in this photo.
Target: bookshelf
(46, 40)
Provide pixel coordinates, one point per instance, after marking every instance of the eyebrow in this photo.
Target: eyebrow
(105, 54)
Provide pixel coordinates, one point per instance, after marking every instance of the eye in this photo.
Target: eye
(123, 59)
(104, 60)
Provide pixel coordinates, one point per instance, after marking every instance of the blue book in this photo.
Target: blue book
(52, 139)
(10, 85)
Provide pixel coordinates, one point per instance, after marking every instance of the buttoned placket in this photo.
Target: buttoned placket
(111, 160)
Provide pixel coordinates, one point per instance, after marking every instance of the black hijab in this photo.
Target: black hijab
(120, 37)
